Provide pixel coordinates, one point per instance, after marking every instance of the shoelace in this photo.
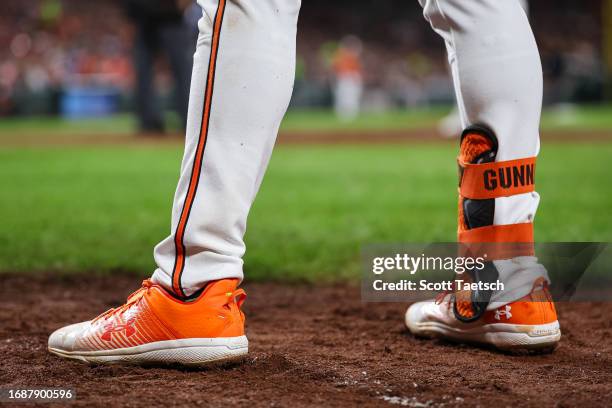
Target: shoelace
(442, 295)
(131, 300)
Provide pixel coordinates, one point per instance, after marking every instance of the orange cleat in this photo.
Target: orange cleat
(154, 327)
(528, 324)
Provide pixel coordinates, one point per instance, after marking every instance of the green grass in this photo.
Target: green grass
(325, 120)
(568, 117)
(125, 124)
(560, 118)
(104, 208)
(55, 126)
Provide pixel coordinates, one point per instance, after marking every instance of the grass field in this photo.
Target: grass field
(102, 209)
(568, 118)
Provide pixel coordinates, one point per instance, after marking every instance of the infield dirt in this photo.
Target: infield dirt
(310, 346)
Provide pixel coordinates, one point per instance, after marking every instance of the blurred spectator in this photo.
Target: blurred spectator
(348, 78)
(51, 46)
(160, 24)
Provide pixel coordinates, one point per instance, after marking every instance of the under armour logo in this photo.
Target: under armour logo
(127, 327)
(506, 312)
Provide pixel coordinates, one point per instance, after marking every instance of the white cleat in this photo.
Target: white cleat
(528, 324)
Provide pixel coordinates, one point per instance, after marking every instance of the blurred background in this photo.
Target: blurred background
(77, 59)
(361, 159)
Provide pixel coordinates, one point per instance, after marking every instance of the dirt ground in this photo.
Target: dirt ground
(310, 346)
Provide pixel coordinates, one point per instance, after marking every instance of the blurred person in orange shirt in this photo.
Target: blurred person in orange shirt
(349, 79)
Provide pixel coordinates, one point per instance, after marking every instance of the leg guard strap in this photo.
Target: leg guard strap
(497, 179)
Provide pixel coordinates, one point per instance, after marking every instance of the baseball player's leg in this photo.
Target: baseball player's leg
(450, 126)
(498, 82)
(241, 85)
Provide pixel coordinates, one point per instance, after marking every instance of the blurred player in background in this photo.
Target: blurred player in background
(189, 312)
(348, 86)
(160, 26)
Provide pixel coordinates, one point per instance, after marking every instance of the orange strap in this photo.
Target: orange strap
(498, 241)
(498, 179)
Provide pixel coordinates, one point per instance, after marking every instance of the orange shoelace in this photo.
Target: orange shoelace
(132, 299)
(463, 306)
